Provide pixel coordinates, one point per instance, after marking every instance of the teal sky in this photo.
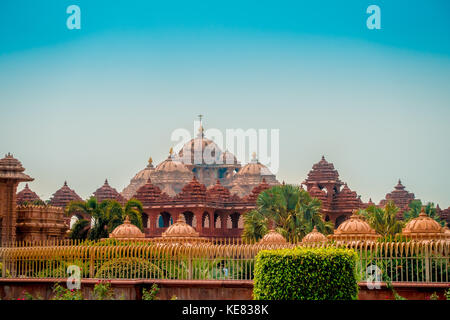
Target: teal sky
(85, 105)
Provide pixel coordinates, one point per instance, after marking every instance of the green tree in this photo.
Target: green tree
(415, 207)
(80, 230)
(383, 220)
(107, 215)
(291, 210)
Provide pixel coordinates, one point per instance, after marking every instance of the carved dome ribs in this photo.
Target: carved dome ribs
(127, 231)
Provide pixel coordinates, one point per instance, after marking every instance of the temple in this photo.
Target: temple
(20, 220)
(210, 193)
(338, 200)
(400, 197)
(213, 211)
(203, 159)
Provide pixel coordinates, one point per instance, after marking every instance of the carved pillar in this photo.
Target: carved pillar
(8, 209)
(198, 216)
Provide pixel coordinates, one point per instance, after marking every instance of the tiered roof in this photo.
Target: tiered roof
(218, 193)
(63, 196)
(399, 196)
(150, 194)
(347, 200)
(11, 168)
(106, 192)
(323, 172)
(194, 191)
(26, 196)
(252, 197)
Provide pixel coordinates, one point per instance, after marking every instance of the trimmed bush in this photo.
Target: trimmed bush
(127, 268)
(306, 274)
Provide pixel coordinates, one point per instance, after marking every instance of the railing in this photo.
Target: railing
(394, 261)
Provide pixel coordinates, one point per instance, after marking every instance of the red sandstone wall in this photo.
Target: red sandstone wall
(200, 290)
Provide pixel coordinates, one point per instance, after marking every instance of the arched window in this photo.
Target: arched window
(164, 220)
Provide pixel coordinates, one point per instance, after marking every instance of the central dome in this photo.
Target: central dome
(201, 151)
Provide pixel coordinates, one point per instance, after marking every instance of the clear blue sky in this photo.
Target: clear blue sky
(85, 105)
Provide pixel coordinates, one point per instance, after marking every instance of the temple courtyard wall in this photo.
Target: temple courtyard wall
(203, 289)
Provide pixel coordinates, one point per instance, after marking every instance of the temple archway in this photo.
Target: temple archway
(234, 217)
(206, 223)
(164, 220)
(189, 217)
(74, 219)
(217, 221)
(339, 220)
(144, 220)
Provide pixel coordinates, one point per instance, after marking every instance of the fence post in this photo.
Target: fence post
(427, 264)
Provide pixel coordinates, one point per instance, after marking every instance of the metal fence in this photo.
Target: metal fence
(423, 262)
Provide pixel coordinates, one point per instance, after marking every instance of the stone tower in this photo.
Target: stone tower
(11, 174)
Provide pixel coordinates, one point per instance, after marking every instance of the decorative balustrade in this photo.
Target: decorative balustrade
(223, 259)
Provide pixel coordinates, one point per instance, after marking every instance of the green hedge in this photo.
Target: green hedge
(306, 274)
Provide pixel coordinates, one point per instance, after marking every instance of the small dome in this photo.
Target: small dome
(447, 233)
(314, 236)
(423, 227)
(272, 237)
(180, 229)
(254, 168)
(171, 166)
(355, 228)
(127, 231)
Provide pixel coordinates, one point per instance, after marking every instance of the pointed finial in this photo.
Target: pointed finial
(65, 183)
(422, 212)
(150, 161)
(170, 152)
(323, 158)
(399, 181)
(181, 218)
(26, 186)
(314, 229)
(127, 220)
(106, 182)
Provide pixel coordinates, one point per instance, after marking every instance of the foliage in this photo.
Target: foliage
(7, 274)
(434, 296)
(415, 207)
(151, 293)
(107, 215)
(61, 293)
(57, 268)
(28, 296)
(80, 229)
(128, 268)
(293, 212)
(306, 274)
(447, 294)
(103, 290)
(383, 220)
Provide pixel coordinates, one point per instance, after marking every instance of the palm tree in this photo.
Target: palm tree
(106, 215)
(415, 207)
(287, 208)
(383, 220)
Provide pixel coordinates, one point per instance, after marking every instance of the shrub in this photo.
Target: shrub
(7, 274)
(126, 268)
(151, 293)
(103, 291)
(306, 274)
(61, 293)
